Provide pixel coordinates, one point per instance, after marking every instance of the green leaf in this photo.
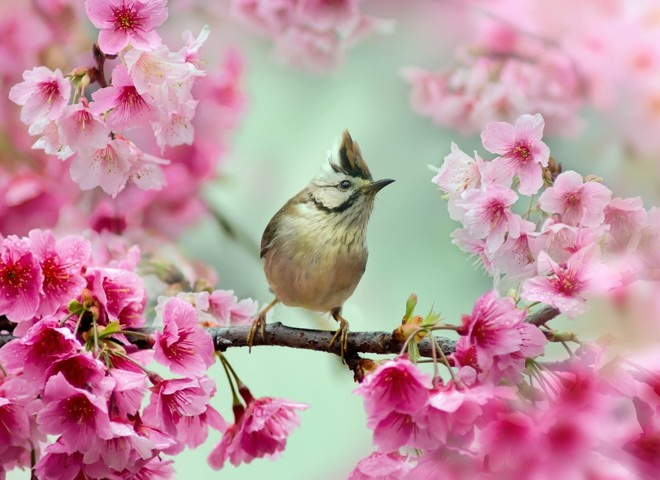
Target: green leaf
(431, 319)
(112, 328)
(411, 303)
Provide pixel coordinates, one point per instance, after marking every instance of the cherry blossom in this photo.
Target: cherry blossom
(79, 128)
(21, 279)
(522, 153)
(127, 22)
(43, 93)
(127, 107)
(392, 466)
(496, 335)
(78, 416)
(568, 285)
(459, 171)
(181, 407)
(578, 202)
(487, 214)
(396, 386)
(259, 430)
(61, 266)
(183, 345)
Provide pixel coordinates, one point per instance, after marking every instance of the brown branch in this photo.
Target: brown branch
(280, 335)
(277, 334)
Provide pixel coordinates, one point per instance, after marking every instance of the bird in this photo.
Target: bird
(314, 248)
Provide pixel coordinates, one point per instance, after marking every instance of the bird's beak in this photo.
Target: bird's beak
(375, 187)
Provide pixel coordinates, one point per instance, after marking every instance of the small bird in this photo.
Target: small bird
(314, 248)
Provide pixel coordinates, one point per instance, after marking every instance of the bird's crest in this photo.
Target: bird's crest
(346, 158)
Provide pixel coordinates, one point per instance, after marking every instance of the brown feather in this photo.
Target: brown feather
(271, 228)
(350, 159)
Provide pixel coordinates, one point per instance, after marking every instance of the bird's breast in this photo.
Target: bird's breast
(314, 262)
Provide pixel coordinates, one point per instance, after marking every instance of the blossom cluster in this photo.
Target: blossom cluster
(585, 418)
(573, 243)
(310, 34)
(150, 85)
(115, 123)
(525, 56)
(73, 373)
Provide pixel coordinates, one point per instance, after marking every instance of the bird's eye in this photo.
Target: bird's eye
(344, 185)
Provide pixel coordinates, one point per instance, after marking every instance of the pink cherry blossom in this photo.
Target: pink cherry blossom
(459, 171)
(125, 450)
(397, 430)
(105, 167)
(58, 461)
(181, 408)
(649, 242)
(155, 469)
(260, 430)
(31, 200)
(127, 394)
(15, 422)
(21, 279)
(81, 370)
(427, 90)
(515, 258)
(79, 416)
(80, 128)
(226, 309)
(473, 246)
(124, 22)
(396, 386)
(380, 466)
(42, 345)
(577, 202)
(488, 215)
(164, 78)
(183, 346)
(145, 172)
(447, 463)
(120, 293)
(61, 263)
(264, 16)
(50, 140)
(175, 128)
(560, 240)
(491, 328)
(43, 94)
(521, 150)
(452, 412)
(568, 285)
(495, 341)
(505, 439)
(324, 15)
(127, 108)
(317, 52)
(625, 216)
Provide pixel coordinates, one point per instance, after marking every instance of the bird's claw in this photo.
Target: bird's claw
(258, 324)
(342, 335)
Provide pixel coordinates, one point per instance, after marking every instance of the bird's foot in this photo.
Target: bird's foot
(259, 325)
(341, 334)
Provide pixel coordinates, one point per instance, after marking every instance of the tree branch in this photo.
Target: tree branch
(280, 335)
(277, 334)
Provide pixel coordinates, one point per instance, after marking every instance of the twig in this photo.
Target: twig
(542, 317)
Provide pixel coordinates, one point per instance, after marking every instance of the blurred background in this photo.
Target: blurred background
(290, 118)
